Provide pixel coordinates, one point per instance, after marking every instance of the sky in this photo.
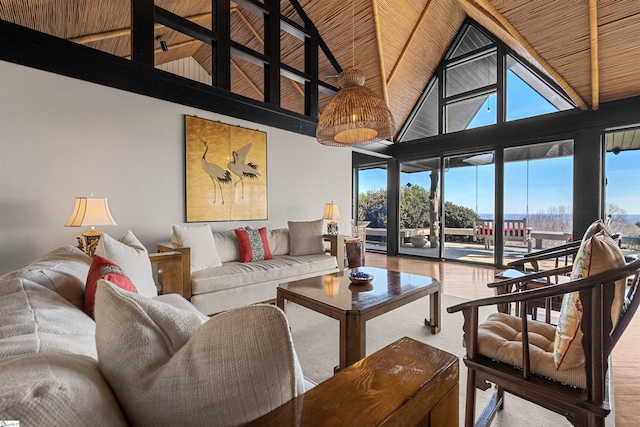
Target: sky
(530, 187)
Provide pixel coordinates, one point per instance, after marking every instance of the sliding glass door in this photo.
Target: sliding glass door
(372, 206)
(538, 197)
(420, 208)
(468, 208)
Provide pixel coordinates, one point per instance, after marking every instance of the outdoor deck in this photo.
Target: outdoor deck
(470, 252)
(474, 249)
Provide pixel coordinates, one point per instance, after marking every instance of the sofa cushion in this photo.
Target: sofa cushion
(102, 268)
(305, 237)
(63, 270)
(227, 244)
(236, 274)
(133, 257)
(56, 390)
(199, 238)
(35, 319)
(597, 254)
(168, 368)
(254, 244)
(279, 241)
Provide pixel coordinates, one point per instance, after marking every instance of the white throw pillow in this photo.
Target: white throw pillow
(130, 255)
(305, 237)
(166, 367)
(199, 238)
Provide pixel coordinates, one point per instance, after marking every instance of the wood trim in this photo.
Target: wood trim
(491, 12)
(595, 72)
(125, 31)
(376, 20)
(247, 79)
(406, 45)
(249, 26)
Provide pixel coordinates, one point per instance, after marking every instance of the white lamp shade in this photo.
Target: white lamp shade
(331, 211)
(89, 212)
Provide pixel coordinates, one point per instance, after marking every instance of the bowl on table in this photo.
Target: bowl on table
(360, 278)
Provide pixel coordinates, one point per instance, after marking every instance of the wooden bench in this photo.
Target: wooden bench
(407, 383)
(513, 230)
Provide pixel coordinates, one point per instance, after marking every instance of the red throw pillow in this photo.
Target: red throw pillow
(102, 268)
(254, 244)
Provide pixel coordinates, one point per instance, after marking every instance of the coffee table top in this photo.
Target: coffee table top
(336, 290)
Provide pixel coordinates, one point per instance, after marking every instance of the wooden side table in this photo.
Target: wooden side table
(407, 383)
(337, 247)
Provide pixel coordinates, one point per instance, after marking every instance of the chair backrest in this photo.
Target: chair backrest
(631, 304)
(546, 259)
(598, 341)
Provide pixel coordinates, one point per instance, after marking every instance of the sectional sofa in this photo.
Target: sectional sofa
(145, 360)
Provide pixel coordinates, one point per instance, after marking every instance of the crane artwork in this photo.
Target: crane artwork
(217, 174)
(226, 172)
(240, 168)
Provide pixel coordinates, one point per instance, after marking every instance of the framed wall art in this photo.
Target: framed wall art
(226, 172)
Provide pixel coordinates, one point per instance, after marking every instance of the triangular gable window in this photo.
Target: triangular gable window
(469, 77)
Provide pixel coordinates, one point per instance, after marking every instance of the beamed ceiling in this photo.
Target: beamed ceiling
(591, 48)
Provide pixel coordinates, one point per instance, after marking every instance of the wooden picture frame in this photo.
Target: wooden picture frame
(225, 172)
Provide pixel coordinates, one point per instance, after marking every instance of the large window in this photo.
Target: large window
(622, 196)
(474, 92)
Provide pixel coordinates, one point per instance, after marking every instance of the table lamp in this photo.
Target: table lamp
(90, 212)
(331, 212)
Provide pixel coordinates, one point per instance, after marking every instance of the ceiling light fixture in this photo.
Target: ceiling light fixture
(355, 116)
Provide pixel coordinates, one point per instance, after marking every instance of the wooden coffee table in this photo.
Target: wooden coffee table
(352, 305)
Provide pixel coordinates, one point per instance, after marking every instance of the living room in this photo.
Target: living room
(65, 133)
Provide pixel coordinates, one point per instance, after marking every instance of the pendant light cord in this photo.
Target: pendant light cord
(353, 35)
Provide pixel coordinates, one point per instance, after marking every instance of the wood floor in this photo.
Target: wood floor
(469, 281)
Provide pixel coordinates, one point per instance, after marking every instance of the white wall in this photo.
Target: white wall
(61, 138)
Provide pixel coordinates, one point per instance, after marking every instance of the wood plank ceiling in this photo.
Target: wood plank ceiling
(591, 48)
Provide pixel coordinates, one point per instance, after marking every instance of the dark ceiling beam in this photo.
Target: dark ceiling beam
(142, 32)
(272, 50)
(221, 25)
(309, 24)
(183, 25)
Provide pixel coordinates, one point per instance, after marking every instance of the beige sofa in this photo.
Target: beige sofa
(297, 254)
(144, 361)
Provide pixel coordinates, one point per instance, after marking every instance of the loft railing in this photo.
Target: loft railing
(144, 14)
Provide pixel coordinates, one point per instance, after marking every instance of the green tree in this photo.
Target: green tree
(414, 207)
(372, 207)
(458, 216)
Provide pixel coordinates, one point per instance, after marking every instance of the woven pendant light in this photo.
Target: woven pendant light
(355, 116)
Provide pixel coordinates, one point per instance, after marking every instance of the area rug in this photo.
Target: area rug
(315, 338)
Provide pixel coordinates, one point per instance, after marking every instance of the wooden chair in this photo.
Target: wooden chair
(582, 406)
(556, 257)
(521, 276)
